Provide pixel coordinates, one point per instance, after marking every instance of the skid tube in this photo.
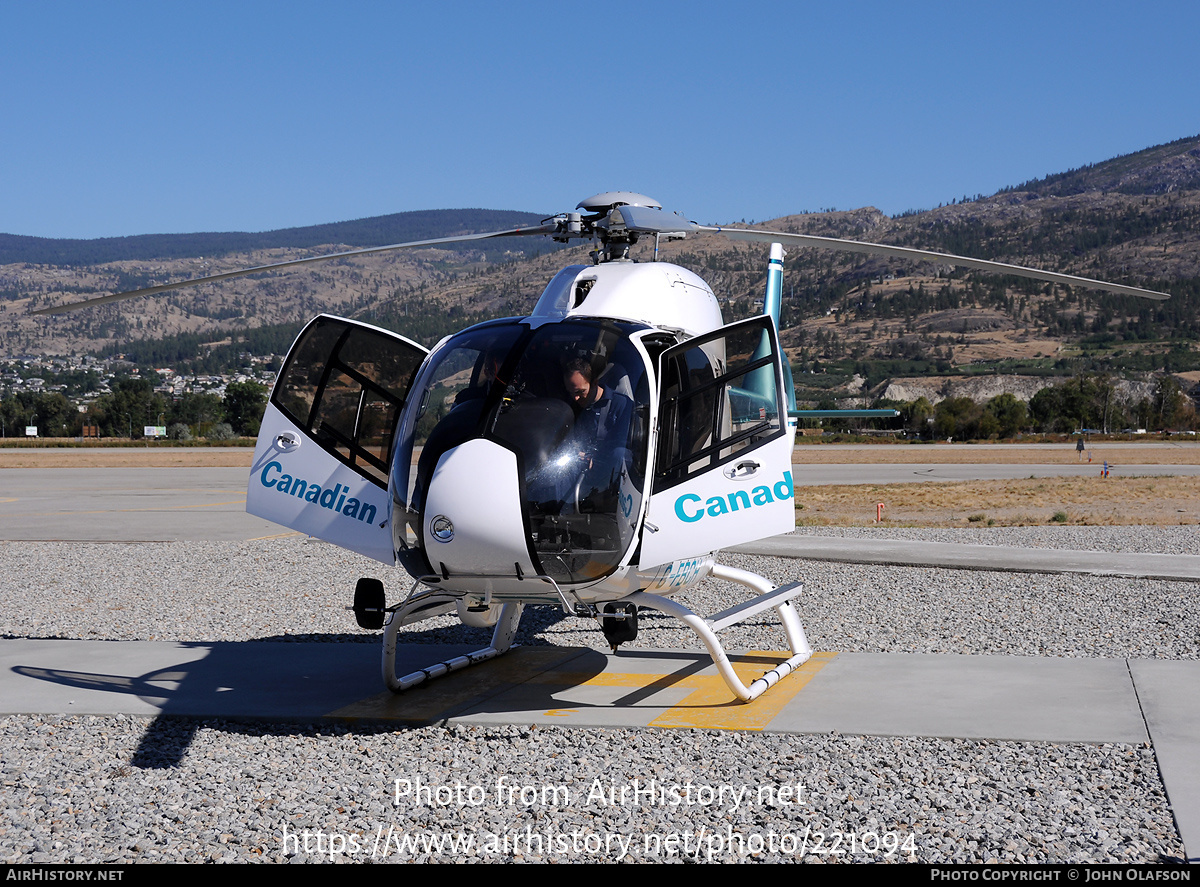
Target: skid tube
(502, 638)
(780, 598)
(434, 602)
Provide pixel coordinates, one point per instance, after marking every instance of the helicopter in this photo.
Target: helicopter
(595, 455)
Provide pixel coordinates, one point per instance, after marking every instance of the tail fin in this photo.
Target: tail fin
(773, 307)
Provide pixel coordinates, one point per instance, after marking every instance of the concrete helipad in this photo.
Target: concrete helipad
(975, 697)
(972, 697)
(957, 556)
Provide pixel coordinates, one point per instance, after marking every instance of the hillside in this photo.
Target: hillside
(1160, 170)
(1134, 219)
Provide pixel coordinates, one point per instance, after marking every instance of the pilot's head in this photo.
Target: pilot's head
(578, 379)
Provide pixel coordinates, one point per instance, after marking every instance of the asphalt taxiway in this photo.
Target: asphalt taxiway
(971, 697)
(208, 504)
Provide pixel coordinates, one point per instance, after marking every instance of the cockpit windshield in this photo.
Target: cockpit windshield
(571, 401)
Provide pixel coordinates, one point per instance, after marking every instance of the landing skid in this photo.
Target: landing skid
(707, 629)
(770, 596)
(502, 638)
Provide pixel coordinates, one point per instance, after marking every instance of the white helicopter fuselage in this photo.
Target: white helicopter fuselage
(657, 294)
(471, 467)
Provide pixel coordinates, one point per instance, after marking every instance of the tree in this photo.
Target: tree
(1082, 402)
(197, 411)
(1009, 414)
(244, 404)
(49, 411)
(1173, 410)
(957, 417)
(132, 405)
(916, 416)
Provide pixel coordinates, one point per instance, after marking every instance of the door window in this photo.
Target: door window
(345, 385)
(720, 397)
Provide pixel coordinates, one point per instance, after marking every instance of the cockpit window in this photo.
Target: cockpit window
(720, 396)
(571, 401)
(453, 391)
(346, 385)
(575, 413)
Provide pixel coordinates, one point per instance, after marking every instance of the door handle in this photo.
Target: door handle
(745, 468)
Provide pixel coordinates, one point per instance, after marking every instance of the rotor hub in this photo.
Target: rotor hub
(602, 204)
(602, 219)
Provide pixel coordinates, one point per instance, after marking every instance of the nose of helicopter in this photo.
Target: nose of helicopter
(473, 520)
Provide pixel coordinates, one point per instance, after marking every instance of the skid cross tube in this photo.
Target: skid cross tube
(769, 596)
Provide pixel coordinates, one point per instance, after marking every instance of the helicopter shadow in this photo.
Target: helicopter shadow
(181, 683)
(299, 683)
(186, 685)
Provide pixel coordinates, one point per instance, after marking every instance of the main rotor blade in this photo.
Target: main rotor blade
(652, 221)
(920, 255)
(258, 269)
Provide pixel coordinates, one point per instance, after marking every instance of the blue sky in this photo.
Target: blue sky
(124, 118)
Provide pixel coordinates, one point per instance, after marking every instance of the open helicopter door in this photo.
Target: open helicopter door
(325, 444)
(723, 472)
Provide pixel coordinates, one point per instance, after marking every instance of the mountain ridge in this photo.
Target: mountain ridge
(1159, 169)
(838, 307)
(369, 231)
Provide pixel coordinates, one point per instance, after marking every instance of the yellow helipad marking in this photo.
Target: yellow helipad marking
(711, 704)
(274, 536)
(605, 679)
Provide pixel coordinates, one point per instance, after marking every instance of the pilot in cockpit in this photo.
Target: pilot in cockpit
(600, 435)
(601, 413)
(487, 367)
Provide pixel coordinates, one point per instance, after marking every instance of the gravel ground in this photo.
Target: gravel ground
(97, 789)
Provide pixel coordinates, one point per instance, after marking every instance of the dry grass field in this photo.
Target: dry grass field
(1093, 501)
(1116, 452)
(1043, 501)
(126, 457)
(1026, 502)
